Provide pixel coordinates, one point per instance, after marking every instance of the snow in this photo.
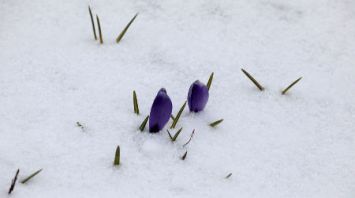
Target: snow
(53, 74)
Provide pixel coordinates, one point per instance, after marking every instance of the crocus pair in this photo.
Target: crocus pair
(162, 106)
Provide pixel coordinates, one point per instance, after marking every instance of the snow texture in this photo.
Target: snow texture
(53, 74)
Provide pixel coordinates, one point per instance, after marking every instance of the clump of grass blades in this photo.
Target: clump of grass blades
(256, 83)
(135, 103)
(92, 23)
(173, 138)
(13, 182)
(184, 156)
(176, 119)
(209, 83)
(192, 134)
(30, 176)
(120, 36)
(142, 126)
(215, 123)
(116, 162)
(99, 26)
(290, 86)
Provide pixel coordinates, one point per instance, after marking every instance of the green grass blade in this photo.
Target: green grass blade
(228, 176)
(215, 123)
(291, 85)
(178, 116)
(184, 156)
(99, 26)
(177, 134)
(119, 38)
(116, 162)
(173, 139)
(92, 23)
(256, 83)
(142, 126)
(209, 83)
(172, 117)
(13, 182)
(31, 176)
(135, 103)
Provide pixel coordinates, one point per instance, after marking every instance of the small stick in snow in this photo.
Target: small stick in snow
(173, 139)
(209, 83)
(176, 119)
(142, 127)
(228, 176)
(291, 85)
(31, 176)
(99, 26)
(192, 134)
(120, 36)
(215, 123)
(116, 162)
(93, 24)
(261, 88)
(184, 156)
(13, 182)
(135, 103)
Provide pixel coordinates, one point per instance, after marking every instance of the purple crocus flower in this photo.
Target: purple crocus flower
(198, 96)
(160, 112)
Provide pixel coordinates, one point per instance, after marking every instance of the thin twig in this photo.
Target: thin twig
(261, 88)
(291, 85)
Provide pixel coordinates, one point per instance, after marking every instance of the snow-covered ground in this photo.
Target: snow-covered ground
(53, 74)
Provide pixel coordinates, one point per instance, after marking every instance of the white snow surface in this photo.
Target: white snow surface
(54, 74)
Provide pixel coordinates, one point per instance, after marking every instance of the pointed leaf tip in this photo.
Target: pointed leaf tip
(290, 86)
(215, 123)
(120, 36)
(256, 83)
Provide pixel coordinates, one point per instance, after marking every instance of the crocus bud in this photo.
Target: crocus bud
(198, 96)
(160, 112)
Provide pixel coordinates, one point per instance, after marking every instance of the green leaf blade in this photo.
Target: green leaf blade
(31, 176)
(209, 83)
(142, 126)
(215, 123)
(120, 36)
(175, 121)
(116, 162)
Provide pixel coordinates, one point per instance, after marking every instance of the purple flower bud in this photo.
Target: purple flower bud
(198, 96)
(160, 112)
